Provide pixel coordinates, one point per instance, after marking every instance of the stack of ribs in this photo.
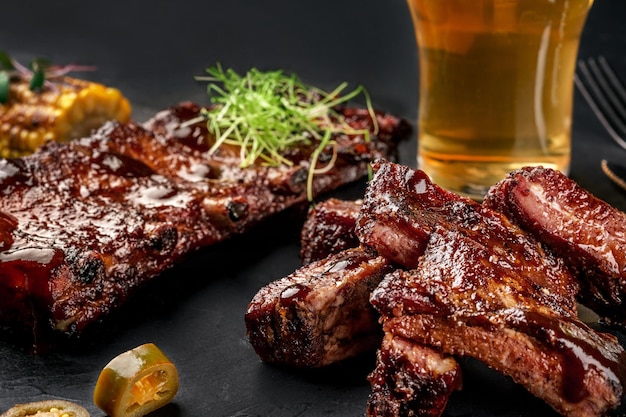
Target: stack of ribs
(497, 281)
(83, 224)
(588, 233)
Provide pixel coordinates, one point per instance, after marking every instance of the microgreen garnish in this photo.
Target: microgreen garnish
(38, 67)
(6, 65)
(40, 71)
(265, 113)
(4, 87)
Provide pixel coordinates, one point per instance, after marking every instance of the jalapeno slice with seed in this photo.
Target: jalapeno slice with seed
(136, 382)
(47, 408)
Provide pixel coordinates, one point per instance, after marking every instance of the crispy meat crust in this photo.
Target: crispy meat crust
(478, 285)
(489, 315)
(586, 231)
(411, 379)
(402, 208)
(85, 223)
(320, 314)
(329, 228)
(466, 280)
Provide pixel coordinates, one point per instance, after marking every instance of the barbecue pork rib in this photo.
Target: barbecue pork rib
(402, 208)
(411, 379)
(330, 227)
(477, 285)
(586, 231)
(320, 314)
(458, 303)
(463, 281)
(85, 223)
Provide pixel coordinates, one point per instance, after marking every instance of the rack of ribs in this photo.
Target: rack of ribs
(83, 224)
(586, 231)
(465, 281)
(576, 370)
(402, 208)
(321, 313)
(478, 285)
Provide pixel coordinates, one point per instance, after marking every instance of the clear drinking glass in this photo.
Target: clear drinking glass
(496, 87)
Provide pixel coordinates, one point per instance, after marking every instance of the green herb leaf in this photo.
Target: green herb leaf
(5, 61)
(4, 86)
(39, 70)
(264, 113)
(38, 66)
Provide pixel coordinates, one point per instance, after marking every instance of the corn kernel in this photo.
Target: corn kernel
(71, 109)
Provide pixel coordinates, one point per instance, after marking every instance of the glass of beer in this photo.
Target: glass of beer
(496, 87)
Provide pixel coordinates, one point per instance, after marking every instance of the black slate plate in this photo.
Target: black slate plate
(151, 50)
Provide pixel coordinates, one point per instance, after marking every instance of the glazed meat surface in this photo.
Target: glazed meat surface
(411, 379)
(7, 225)
(330, 227)
(320, 314)
(402, 208)
(464, 305)
(588, 232)
(87, 222)
(464, 281)
(78, 251)
(477, 285)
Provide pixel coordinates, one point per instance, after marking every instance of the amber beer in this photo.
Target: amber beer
(496, 87)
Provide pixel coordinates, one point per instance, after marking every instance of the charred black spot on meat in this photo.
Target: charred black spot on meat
(90, 268)
(298, 178)
(237, 210)
(164, 239)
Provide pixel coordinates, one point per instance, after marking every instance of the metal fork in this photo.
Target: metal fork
(605, 94)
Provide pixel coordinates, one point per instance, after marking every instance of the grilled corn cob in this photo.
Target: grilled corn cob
(62, 109)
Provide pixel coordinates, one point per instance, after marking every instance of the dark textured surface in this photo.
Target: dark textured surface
(151, 50)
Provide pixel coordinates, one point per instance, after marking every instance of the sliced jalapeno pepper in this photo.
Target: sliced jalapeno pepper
(47, 408)
(136, 382)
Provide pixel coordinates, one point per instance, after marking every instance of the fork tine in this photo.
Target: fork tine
(605, 94)
(618, 87)
(612, 87)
